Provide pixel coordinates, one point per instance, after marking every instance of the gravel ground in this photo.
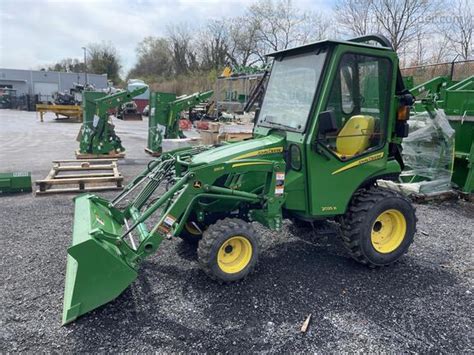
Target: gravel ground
(422, 304)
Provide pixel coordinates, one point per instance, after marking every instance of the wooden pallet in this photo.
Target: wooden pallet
(81, 176)
(111, 155)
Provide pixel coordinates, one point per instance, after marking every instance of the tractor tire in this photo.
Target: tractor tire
(190, 234)
(228, 250)
(378, 227)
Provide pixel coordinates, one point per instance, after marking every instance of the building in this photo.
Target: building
(46, 83)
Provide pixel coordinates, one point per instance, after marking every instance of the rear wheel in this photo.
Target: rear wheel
(379, 226)
(228, 250)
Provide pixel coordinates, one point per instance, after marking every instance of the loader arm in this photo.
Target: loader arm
(119, 239)
(117, 99)
(164, 115)
(97, 135)
(181, 104)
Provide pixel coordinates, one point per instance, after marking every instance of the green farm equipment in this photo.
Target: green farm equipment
(456, 99)
(163, 120)
(316, 153)
(459, 107)
(97, 136)
(15, 182)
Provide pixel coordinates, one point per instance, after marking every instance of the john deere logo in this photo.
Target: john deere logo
(197, 184)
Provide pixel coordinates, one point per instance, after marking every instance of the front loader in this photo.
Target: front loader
(163, 119)
(97, 136)
(331, 124)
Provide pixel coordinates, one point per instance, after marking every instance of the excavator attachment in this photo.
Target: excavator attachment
(97, 271)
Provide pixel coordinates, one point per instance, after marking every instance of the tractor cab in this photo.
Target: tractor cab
(336, 104)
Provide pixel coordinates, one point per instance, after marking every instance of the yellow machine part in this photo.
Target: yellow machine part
(227, 72)
(354, 137)
(388, 231)
(234, 254)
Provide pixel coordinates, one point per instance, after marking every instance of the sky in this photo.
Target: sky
(35, 33)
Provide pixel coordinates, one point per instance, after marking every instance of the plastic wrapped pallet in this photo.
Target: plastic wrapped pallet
(428, 155)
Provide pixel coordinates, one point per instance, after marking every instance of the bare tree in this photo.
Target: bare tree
(459, 31)
(400, 19)
(243, 44)
(213, 44)
(184, 57)
(356, 17)
(280, 25)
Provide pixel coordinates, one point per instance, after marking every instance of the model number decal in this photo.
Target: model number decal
(266, 151)
(359, 162)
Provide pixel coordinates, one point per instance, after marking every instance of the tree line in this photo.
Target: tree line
(421, 31)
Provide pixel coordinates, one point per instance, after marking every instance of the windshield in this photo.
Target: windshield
(290, 91)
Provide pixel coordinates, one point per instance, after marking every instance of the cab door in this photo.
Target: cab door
(348, 145)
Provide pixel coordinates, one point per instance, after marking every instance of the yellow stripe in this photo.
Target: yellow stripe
(359, 162)
(260, 152)
(251, 163)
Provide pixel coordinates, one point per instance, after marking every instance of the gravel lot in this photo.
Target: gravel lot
(422, 304)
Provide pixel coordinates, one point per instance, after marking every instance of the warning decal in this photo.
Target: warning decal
(280, 184)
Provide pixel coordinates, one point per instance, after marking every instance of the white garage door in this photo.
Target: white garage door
(45, 91)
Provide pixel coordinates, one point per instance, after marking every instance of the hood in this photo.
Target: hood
(250, 149)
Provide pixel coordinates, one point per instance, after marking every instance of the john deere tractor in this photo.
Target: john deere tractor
(331, 123)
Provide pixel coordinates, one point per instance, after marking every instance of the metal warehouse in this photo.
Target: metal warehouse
(46, 83)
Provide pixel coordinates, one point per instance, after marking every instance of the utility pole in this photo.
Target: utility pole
(85, 64)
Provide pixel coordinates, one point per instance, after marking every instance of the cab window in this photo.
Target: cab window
(357, 110)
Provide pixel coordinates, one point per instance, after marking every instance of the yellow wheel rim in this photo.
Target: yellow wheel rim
(388, 231)
(234, 254)
(191, 229)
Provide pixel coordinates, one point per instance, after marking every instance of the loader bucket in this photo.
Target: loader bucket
(97, 271)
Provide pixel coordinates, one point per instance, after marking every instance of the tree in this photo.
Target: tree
(403, 22)
(280, 25)
(68, 65)
(184, 57)
(243, 42)
(356, 17)
(459, 31)
(400, 19)
(214, 45)
(154, 59)
(103, 58)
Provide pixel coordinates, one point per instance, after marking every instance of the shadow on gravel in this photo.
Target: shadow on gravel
(292, 280)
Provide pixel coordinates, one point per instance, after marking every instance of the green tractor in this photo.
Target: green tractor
(330, 125)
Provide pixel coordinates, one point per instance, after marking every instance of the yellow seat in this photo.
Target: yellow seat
(354, 137)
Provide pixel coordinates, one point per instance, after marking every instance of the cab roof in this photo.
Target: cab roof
(327, 42)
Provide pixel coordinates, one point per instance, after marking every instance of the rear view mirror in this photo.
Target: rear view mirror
(326, 123)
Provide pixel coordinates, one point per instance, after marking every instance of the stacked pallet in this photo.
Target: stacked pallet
(228, 132)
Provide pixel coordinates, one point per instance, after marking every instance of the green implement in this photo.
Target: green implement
(317, 151)
(97, 135)
(15, 182)
(163, 120)
(86, 288)
(457, 101)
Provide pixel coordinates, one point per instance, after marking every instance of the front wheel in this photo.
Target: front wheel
(228, 250)
(192, 232)
(379, 226)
